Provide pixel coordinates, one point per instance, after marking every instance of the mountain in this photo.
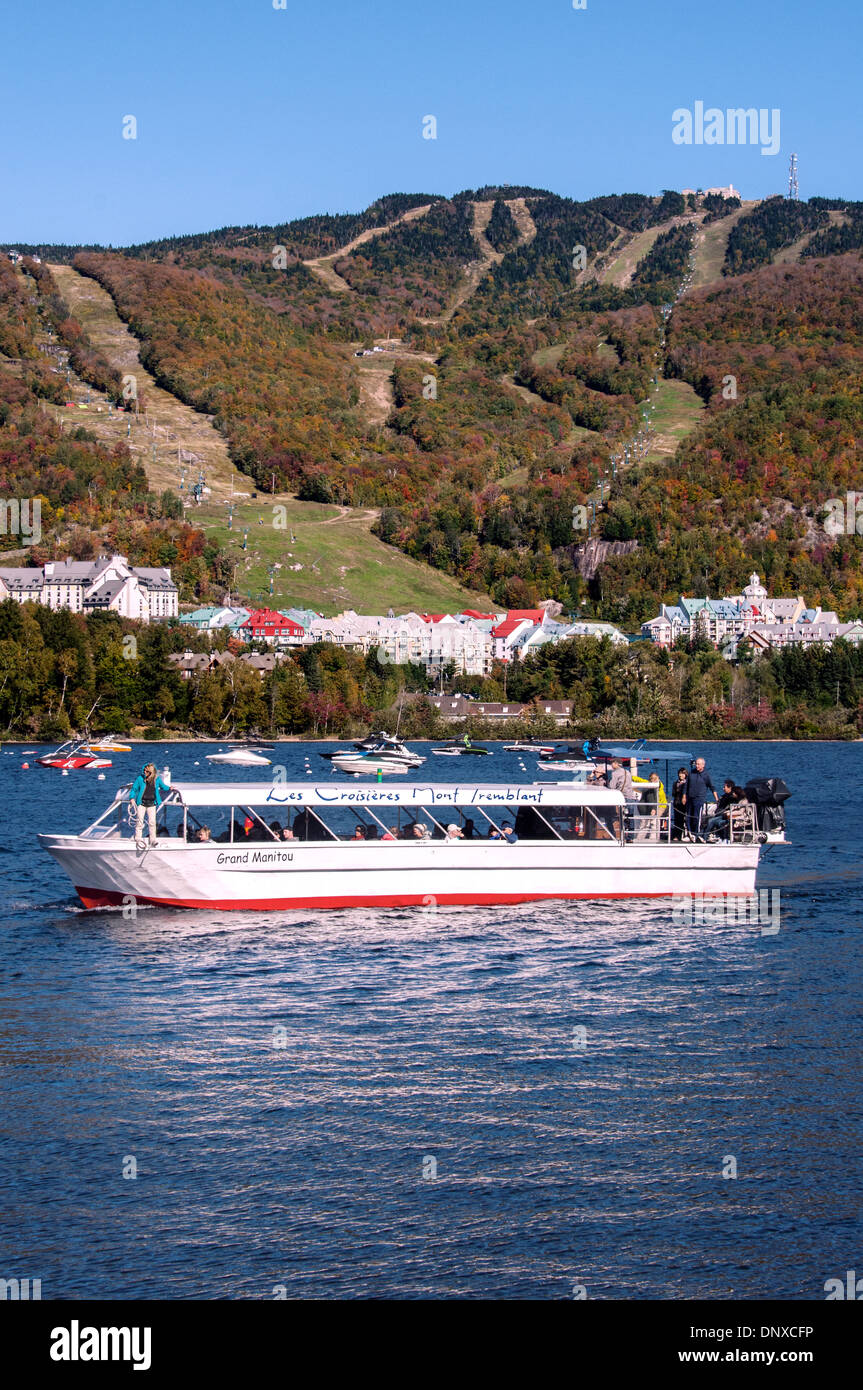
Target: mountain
(468, 367)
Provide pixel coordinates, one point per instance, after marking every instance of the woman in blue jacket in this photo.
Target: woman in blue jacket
(148, 793)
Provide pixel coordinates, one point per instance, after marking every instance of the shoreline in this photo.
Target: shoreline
(485, 738)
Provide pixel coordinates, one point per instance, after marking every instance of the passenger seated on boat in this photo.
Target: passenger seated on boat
(391, 834)
(276, 827)
(469, 829)
(358, 833)
(734, 814)
(420, 831)
(494, 833)
(287, 833)
(718, 823)
(202, 836)
(453, 833)
(371, 832)
(742, 816)
(508, 833)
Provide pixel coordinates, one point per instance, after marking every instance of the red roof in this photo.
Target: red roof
(472, 613)
(432, 617)
(535, 615)
(506, 627)
(266, 619)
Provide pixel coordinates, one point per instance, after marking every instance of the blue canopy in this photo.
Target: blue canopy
(639, 752)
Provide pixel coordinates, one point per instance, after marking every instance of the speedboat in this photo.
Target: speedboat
(569, 758)
(453, 748)
(532, 747)
(240, 757)
(108, 743)
(379, 753)
(569, 840)
(72, 755)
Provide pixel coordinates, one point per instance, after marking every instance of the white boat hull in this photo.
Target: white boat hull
(370, 767)
(109, 871)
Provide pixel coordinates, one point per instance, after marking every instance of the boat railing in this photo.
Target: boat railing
(641, 820)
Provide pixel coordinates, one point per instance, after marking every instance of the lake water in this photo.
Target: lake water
(435, 1124)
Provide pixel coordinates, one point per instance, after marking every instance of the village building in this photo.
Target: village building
(751, 616)
(87, 586)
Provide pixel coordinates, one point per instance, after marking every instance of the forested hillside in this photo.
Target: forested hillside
(91, 498)
(511, 369)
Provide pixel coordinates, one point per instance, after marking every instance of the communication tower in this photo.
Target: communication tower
(792, 178)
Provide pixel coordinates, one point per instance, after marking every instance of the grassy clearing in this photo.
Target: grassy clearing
(678, 411)
(344, 566)
(548, 356)
(519, 477)
(621, 269)
(177, 426)
(710, 244)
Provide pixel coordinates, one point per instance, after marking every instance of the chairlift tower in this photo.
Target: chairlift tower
(792, 179)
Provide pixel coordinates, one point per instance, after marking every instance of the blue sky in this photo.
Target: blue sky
(250, 114)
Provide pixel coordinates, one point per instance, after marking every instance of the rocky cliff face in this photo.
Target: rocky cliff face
(588, 557)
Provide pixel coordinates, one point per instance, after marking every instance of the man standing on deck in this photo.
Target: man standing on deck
(699, 790)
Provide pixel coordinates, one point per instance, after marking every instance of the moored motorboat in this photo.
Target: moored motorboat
(280, 845)
(73, 755)
(532, 747)
(379, 753)
(458, 748)
(240, 757)
(108, 743)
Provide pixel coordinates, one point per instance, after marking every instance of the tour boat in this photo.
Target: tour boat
(72, 755)
(573, 841)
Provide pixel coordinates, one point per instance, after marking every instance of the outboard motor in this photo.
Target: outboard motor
(768, 795)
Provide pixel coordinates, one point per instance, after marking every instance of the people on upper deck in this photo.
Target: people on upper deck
(699, 790)
(652, 807)
(719, 824)
(508, 833)
(469, 829)
(678, 802)
(453, 832)
(147, 794)
(420, 831)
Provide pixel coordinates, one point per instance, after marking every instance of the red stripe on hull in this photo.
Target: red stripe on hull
(97, 897)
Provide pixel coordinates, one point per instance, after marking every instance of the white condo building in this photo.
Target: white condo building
(109, 584)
